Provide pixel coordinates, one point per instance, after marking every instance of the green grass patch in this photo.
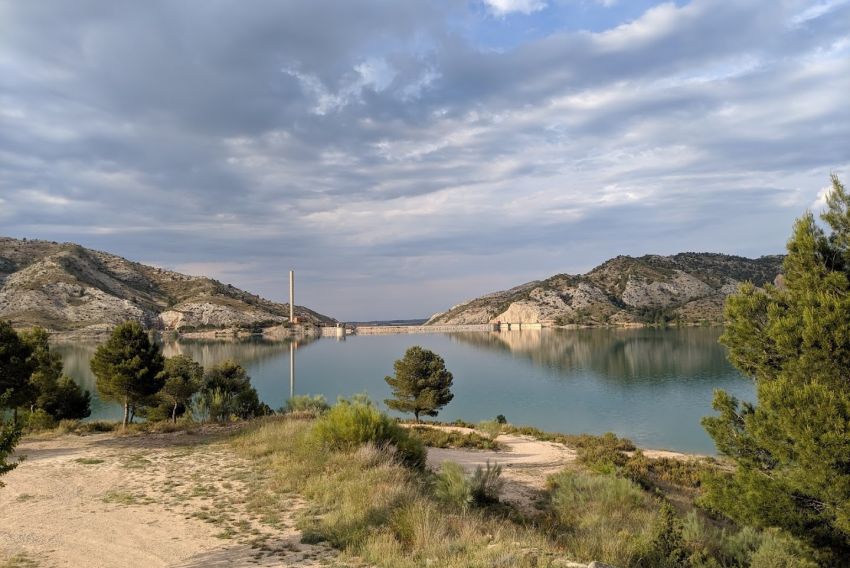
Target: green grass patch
(121, 498)
(89, 461)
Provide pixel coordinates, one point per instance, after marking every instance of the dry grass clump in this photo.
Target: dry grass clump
(437, 438)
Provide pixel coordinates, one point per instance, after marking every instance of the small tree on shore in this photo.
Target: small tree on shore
(16, 367)
(127, 367)
(182, 377)
(227, 392)
(421, 385)
(792, 448)
(55, 393)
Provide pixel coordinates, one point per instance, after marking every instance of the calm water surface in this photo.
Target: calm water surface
(650, 385)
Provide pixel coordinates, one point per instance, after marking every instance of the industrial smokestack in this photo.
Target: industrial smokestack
(291, 296)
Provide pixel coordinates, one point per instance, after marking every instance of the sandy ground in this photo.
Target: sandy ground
(154, 500)
(526, 462)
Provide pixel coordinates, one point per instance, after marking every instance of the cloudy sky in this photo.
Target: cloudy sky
(404, 156)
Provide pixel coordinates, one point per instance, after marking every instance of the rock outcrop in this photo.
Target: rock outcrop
(66, 287)
(688, 287)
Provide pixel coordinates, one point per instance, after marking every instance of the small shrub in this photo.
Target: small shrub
(350, 424)
(780, 550)
(601, 517)
(454, 487)
(501, 419)
(603, 454)
(487, 484)
(666, 548)
(305, 403)
(491, 428)
(451, 486)
(38, 420)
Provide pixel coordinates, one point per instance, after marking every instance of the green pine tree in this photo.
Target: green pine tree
(15, 370)
(792, 448)
(227, 392)
(182, 377)
(55, 393)
(127, 367)
(421, 385)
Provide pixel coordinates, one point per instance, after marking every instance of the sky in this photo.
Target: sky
(403, 156)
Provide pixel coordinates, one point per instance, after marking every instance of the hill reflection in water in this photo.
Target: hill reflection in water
(651, 385)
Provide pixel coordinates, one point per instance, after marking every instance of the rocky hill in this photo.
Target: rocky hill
(689, 287)
(65, 287)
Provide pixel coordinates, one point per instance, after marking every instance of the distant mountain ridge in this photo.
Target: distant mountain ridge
(67, 287)
(689, 287)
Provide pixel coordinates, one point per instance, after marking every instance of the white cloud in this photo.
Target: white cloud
(504, 7)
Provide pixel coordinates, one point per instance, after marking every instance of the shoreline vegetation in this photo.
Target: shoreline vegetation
(368, 494)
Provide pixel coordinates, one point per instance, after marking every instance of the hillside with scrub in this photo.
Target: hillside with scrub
(67, 287)
(687, 288)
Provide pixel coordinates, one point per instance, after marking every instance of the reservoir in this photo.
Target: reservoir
(649, 385)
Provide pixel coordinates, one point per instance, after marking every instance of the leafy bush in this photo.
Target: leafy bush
(227, 393)
(315, 404)
(38, 420)
(353, 423)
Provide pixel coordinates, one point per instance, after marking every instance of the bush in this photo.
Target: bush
(315, 404)
(491, 428)
(486, 484)
(649, 473)
(780, 550)
(451, 486)
(227, 393)
(353, 423)
(38, 420)
(600, 517)
(603, 454)
(454, 487)
(501, 419)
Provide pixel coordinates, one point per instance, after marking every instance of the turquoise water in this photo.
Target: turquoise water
(650, 385)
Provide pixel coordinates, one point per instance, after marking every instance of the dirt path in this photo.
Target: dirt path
(526, 462)
(153, 500)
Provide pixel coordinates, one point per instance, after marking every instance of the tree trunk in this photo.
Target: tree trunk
(126, 413)
(174, 413)
(416, 415)
(15, 416)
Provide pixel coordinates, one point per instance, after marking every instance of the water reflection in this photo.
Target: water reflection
(620, 354)
(651, 385)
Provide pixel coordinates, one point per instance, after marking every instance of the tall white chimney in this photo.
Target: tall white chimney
(291, 296)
